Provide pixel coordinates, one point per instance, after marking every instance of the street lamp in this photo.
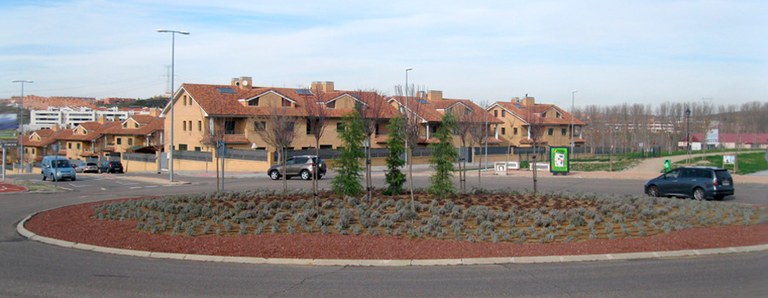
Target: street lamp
(173, 54)
(688, 132)
(573, 95)
(21, 123)
(407, 69)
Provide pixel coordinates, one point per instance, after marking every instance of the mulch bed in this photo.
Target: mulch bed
(75, 223)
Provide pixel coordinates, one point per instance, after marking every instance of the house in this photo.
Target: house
(429, 107)
(523, 118)
(238, 114)
(729, 141)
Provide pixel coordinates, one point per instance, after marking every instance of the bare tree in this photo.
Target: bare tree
(536, 129)
(479, 134)
(278, 130)
(464, 124)
(410, 107)
(211, 139)
(372, 112)
(316, 116)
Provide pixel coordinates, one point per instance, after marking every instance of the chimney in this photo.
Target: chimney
(435, 95)
(326, 86)
(55, 127)
(242, 82)
(154, 112)
(101, 119)
(529, 101)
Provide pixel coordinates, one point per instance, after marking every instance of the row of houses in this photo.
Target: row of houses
(206, 115)
(96, 139)
(238, 111)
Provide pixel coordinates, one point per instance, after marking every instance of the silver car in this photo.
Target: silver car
(301, 165)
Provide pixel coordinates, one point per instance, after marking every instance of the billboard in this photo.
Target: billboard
(8, 126)
(559, 160)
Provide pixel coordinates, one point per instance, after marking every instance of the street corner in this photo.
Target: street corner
(7, 187)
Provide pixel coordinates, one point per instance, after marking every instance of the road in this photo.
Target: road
(34, 269)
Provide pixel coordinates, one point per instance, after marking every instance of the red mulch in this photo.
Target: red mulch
(75, 223)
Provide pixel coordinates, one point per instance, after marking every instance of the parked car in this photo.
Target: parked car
(111, 166)
(693, 182)
(78, 165)
(91, 167)
(57, 168)
(302, 166)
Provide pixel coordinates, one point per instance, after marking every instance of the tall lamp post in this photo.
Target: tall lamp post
(573, 96)
(21, 123)
(688, 132)
(173, 93)
(407, 124)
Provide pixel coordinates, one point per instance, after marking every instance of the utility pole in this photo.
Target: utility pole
(21, 125)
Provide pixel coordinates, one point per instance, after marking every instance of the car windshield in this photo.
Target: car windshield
(60, 163)
(91, 164)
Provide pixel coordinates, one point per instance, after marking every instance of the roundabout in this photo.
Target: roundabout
(36, 269)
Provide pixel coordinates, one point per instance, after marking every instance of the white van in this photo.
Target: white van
(57, 168)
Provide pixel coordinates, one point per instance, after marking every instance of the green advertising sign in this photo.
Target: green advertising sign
(559, 160)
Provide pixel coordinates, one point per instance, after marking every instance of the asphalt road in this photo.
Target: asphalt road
(34, 269)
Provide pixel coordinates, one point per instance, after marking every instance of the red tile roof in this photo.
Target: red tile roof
(746, 138)
(533, 113)
(433, 110)
(225, 100)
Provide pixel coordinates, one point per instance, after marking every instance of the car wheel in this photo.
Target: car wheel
(652, 191)
(44, 177)
(698, 194)
(274, 175)
(305, 175)
(53, 178)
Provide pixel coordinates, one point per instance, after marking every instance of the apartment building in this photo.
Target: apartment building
(520, 115)
(73, 116)
(236, 113)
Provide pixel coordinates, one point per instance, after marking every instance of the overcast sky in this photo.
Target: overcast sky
(611, 51)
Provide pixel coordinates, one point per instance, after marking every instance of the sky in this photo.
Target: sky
(610, 51)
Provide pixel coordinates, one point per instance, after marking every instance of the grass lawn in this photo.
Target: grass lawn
(748, 162)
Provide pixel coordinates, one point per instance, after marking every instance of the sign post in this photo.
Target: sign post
(560, 160)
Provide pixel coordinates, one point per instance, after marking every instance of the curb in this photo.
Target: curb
(388, 263)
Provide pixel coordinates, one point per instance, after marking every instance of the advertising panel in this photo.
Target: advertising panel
(559, 160)
(8, 126)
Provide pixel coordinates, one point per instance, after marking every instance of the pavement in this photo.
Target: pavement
(8, 187)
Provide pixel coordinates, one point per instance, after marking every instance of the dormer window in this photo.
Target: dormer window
(135, 125)
(330, 105)
(254, 102)
(558, 116)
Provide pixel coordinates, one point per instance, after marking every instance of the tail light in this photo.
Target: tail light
(714, 182)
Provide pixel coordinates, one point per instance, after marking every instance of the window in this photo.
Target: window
(289, 126)
(69, 145)
(189, 124)
(135, 125)
(78, 146)
(550, 131)
(286, 103)
(198, 149)
(331, 105)
(259, 125)
(557, 115)
(229, 127)
(503, 130)
(182, 147)
(544, 115)
(468, 112)
(503, 113)
(254, 102)
(119, 141)
(495, 113)
(199, 125)
(340, 126)
(309, 127)
(562, 131)
(184, 127)
(514, 130)
(359, 106)
(130, 141)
